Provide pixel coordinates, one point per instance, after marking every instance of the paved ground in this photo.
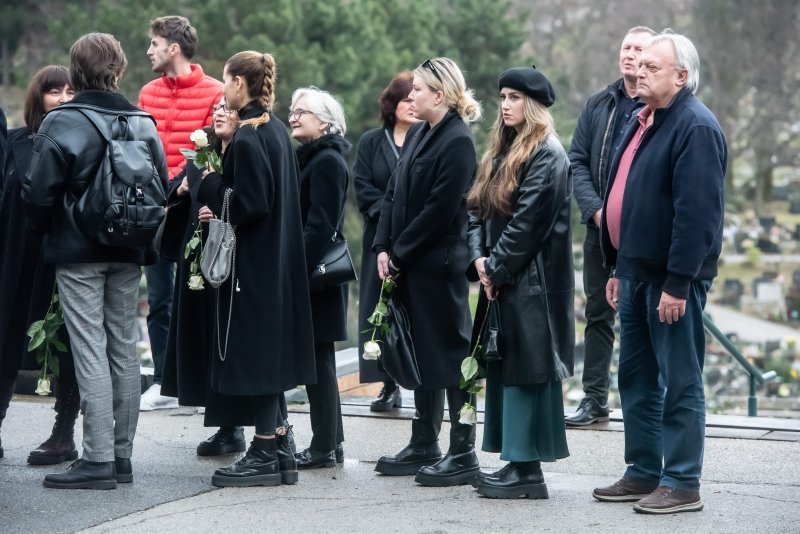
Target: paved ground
(749, 485)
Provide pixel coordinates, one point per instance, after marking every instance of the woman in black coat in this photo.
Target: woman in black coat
(521, 250)
(376, 157)
(26, 281)
(317, 121)
(263, 319)
(421, 242)
(186, 373)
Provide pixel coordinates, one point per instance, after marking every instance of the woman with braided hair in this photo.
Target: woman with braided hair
(263, 318)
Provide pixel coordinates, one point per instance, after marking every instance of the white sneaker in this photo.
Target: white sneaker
(153, 400)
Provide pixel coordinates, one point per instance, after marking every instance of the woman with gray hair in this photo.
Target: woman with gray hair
(317, 122)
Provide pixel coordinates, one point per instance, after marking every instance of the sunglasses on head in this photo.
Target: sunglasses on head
(428, 64)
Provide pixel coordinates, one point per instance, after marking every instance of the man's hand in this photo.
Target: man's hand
(670, 308)
(612, 292)
(598, 217)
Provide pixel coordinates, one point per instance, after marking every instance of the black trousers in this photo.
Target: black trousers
(323, 399)
(599, 334)
(427, 421)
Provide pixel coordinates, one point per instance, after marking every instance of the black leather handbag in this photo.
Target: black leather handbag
(397, 353)
(491, 334)
(336, 266)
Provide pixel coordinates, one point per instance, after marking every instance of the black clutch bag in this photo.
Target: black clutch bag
(335, 269)
(491, 334)
(397, 353)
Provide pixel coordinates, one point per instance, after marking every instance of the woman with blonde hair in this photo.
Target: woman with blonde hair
(521, 251)
(421, 242)
(263, 313)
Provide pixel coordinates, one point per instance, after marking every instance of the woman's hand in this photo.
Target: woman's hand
(183, 189)
(383, 266)
(205, 214)
(480, 266)
(491, 291)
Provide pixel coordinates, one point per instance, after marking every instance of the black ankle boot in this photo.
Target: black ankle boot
(6, 391)
(82, 474)
(518, 479)
(389, 398)
(60, 446)
(284, 445)
(258, 467)
(226, 440)
(338, 452)
(123, 469)
(408, 461)
(312, 459)
(460, 464)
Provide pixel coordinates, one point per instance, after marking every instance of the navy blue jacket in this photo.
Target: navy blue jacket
(672, 211)
(591, 152)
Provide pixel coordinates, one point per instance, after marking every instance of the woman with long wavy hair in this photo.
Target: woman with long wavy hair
(521, 251)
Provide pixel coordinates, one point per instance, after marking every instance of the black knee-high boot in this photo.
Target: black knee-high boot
(460, 464)
(423, 448)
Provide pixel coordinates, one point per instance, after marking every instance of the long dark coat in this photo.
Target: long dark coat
(270, 347)
(423, 225)
(530, 261)
(323, 188)
(26, 281)
(375, 161)
(188, 357)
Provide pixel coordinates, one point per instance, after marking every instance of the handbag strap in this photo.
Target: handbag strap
(391, 143)
(341, 213)
(225, 216)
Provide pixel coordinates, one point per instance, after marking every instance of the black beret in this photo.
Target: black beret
(529, 81)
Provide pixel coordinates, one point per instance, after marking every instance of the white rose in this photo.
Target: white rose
(43, 387)
(195, 282)
(468, 415)
(371, 350)
(199, 138)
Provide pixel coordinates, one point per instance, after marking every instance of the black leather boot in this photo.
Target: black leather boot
(423, 449)
(82, 474)
(460, 464)
(284, 445)
(389, 399)
(226, 440)
(313, 459)
(123, 469)
(258, 467)
(6, 391)
(338, 452)
(518, 479)
(60, 446)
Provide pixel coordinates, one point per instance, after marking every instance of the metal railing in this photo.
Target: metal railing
(756, 376)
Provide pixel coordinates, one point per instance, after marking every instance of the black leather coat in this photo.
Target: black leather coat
(530, 261)
(67, 156)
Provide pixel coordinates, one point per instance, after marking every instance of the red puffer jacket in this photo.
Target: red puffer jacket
(180, 106)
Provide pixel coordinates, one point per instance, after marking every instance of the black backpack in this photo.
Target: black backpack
(125, 203)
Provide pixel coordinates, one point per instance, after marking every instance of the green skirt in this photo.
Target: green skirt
(524, 423)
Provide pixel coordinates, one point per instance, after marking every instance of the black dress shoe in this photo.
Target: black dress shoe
(226, 440)
(339, 453)
(258, 467)
(409, 460)
(312, 459)
(452, 470)
(124, 470)
(520, 480)
(82, 474)
(589, 411)
(287, 463)
(389, 399)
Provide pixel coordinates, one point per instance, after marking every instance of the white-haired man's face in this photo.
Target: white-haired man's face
(659, 78)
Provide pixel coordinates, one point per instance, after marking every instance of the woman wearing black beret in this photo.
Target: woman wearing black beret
(521, 251)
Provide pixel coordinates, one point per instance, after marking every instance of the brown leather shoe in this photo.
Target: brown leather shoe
(624, 490)
(666, 500)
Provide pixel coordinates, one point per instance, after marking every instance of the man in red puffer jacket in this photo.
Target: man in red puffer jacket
(180, 101)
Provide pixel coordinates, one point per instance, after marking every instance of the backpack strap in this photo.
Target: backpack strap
(92, 113)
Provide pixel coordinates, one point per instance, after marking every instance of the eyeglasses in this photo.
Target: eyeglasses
(225, 109)
(429, 65)
(295, 114)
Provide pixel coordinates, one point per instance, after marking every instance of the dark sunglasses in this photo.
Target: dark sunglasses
(429, 65)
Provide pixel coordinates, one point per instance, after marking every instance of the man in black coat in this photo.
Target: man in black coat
(596, 137)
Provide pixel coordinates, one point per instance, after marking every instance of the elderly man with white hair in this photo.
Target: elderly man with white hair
(662, 234)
